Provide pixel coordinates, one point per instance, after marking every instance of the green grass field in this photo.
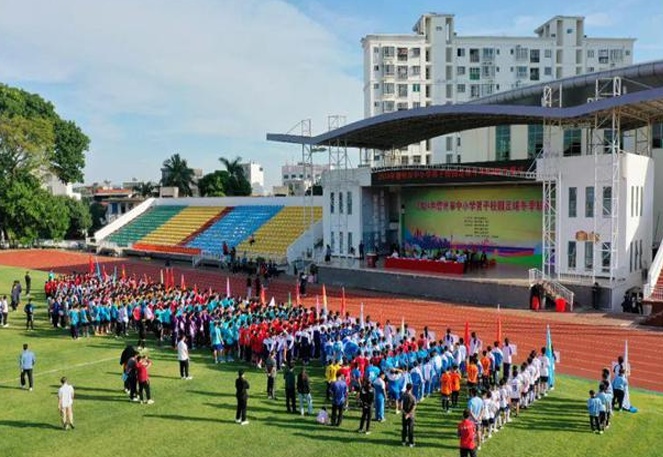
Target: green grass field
(197, 417)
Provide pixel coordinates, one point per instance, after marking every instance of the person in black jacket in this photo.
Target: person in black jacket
(304, 391)
(242, 394)
(366, 397)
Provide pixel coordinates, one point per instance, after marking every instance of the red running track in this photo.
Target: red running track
(587, 342)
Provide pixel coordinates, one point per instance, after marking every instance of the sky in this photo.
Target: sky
(145, 79)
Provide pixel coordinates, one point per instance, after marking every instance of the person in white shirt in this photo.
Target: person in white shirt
(507, 352)
(545, 371)
(183, 358)
(66, 404)
(4, 310)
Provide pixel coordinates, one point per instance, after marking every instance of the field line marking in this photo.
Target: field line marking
(78, 365)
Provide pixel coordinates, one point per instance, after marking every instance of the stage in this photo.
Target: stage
(507, 285)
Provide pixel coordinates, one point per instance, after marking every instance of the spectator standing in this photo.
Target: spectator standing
(407, 425)
(242, 395)
(142, 366)
(66, 404)
(16, 295)
(366, 398)
(29, 315)
(27, 362)
(4, 310)
(304, 391)
(183, 358)
(339, 394)
(28, 283)
(290, 389)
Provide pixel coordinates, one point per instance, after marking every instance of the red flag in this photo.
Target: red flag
(182, 283)
(499, 325)
(172, 278)
(103, 269)
(90, 265)
(298, 298)
(124, 272)
(262, 295)
(343, 301)
(467, 335)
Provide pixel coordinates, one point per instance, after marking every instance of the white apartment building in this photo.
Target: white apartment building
(435, 66)
(299, 177)
(255, 174)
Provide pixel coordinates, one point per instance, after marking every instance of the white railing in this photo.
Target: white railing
(122, 220)
(553, 286)
(109, 246)
(653, 275)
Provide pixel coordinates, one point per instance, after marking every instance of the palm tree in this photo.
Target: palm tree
(237, 184)
(145, 189)
(176, 173)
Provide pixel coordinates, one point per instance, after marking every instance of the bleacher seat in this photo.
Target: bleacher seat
(143, 224)
(233, 228)
(274, 237)
(181, 226)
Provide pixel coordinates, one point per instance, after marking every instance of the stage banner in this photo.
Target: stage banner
(504, 221)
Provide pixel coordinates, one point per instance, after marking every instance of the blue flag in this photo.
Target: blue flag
(551, 357)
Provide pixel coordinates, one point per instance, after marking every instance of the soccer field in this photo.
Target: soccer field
(197, 417)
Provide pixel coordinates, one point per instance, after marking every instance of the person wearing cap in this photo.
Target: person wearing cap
(242, 394)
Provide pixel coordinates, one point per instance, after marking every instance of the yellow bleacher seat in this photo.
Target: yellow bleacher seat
(179, 227)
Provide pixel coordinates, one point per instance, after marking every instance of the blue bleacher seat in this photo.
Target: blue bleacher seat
(233, 228)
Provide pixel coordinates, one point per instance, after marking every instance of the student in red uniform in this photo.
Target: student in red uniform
(445, 389)
(455, 386)
(466, 433)
(142, 365)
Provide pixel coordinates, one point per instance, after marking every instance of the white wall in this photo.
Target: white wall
(238, 201)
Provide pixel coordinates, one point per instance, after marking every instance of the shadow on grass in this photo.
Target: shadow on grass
(26, 424)
(85, 397)
(211, 394)
(177, 417)
(233, 407)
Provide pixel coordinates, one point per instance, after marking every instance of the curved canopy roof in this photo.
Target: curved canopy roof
(641, 102)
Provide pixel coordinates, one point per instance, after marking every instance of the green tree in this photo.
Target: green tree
(178, 174)
(235, 182)
(145, 189)
(80, 218)
(59, 145)
(24, 145)
(211, 185)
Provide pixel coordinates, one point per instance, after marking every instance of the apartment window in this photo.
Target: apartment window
(449, 158)
(522, 53)
(502, 142)
(416, 160)
(402, 54)
(401, 106)
(640, 255)
(589, 201)
(415, 52)
(569, 31)
(416, 104)
(376, 50)
(657, 136)
(603, 56)
(547, 71)
(331, 202)
(475, 73)
(438, 28)
(388, 51)
(521, 72)
(340, 243)
(547, 53)
(401, 72)
(589, 255)
(590, 53)
(606, 255)
(416, 87)
(402, 90)
(460, 52)
(534, 140)
(349, 202)
(572, 142)
(460, 88)
(534, 74)
(388, 88)
(488, 53)
(642, 200)
(534, 56)
(571, 254)
(460, 71)
(350, 243)
(376, 67)
(573, 201)
(376, 86)
(332, 242)
(474, 55)
(388, 70)
(427, 91)
(607, 200)
(488, 71)
(630, 259)
(415, 70)
(590, 69)
(404, 160)
(475, 91)
(616, 55)
(632, 201)
(340, 202)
